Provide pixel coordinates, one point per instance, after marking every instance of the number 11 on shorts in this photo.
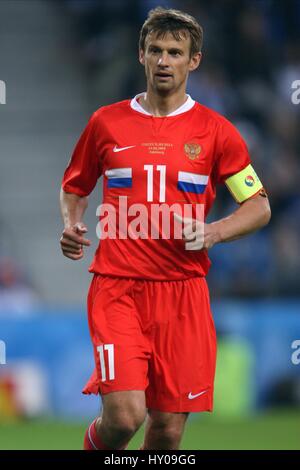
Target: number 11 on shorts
(110, 361)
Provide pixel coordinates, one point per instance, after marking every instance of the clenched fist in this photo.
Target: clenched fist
(72, 241)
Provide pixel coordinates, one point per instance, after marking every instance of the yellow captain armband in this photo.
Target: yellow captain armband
(244, 184)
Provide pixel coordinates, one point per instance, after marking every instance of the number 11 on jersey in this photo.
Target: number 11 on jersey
(162, 182)
(107, 365)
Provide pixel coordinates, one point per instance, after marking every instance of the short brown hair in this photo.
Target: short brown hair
(163, 20)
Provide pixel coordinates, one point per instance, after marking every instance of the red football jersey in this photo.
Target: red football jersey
(153, 161)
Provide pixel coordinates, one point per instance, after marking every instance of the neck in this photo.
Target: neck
(162, 105)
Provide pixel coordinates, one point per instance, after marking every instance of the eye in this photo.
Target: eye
(154, 50)
(175, 53)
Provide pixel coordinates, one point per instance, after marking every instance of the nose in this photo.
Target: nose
(163, 59)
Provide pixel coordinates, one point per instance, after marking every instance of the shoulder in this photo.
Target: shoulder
(214, 118)
(112, 111)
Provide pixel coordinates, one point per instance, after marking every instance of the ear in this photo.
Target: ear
(195, 61)
(142, 56)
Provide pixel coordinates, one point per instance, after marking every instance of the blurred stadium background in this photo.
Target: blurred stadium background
(60, 61)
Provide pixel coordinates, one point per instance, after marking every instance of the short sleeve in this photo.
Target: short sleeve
(84, 167)
(233, 155)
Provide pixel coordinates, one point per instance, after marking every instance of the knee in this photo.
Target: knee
(125, 423)
(164, 435)
(128, 423)
(169, 432)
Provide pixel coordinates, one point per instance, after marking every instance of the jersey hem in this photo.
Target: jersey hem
(136, 278)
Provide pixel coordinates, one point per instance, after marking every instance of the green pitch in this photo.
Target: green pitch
(265, 431)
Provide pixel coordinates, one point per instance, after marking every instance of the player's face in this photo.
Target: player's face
(168, 62)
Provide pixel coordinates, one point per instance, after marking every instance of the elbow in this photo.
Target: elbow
(266, 215)
(266, 218)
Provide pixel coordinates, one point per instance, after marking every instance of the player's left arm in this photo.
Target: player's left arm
(252, 214)
(234, 169)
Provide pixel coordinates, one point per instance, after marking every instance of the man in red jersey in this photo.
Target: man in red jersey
(148, 304)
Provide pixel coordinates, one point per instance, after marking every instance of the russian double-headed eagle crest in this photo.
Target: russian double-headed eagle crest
(192, 151)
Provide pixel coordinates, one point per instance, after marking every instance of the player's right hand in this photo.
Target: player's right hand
(72, 241)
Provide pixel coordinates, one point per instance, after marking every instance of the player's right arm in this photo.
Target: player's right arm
(79, 180)
(72, 240)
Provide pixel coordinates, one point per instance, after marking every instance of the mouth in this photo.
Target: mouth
(163, 75)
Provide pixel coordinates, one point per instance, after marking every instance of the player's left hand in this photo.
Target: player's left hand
(197, 235)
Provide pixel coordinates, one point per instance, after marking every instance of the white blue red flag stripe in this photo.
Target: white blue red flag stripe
(119, 177)
(192, 182)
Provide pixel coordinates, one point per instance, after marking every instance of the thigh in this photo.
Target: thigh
(182, 367)
(121, 351)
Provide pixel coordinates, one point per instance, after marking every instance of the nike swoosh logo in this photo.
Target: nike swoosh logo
(120, 149)
(191, 396)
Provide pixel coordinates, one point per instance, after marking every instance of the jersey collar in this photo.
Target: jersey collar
(182, 109)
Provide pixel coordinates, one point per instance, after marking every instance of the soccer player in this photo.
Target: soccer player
(148, 304)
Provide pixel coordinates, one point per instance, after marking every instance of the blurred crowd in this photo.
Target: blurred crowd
(251, 57)
(17, 293)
